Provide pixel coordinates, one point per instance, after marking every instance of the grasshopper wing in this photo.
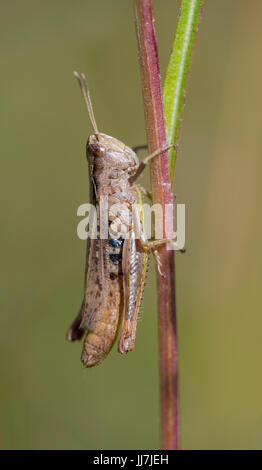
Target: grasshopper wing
(96, 287)
(96, 284)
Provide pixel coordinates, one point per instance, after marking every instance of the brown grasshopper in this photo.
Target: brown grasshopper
(115, 267)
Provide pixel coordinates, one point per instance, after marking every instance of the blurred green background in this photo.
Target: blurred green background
(47, 399)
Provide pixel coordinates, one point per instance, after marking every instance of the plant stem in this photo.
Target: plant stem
(174, 91)
(161, 192)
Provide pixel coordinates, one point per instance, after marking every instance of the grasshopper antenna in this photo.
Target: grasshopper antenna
(85, 92)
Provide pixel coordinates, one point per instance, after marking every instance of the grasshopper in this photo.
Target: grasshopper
(115, 267)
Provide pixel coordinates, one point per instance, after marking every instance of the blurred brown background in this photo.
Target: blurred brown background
(47, 399)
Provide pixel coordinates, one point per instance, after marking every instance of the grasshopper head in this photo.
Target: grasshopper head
(114, 152)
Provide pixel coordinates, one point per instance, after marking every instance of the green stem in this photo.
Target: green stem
(174, 90)
(161, 192)
(174, 95)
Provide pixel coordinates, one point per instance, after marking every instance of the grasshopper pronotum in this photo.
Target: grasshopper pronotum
(115, 267)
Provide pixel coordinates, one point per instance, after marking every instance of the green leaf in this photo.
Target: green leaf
(177, 72)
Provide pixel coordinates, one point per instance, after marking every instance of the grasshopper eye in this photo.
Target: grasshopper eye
(97, 149)
(100, 151)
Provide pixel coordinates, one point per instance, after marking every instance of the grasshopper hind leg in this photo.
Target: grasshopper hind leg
(153, 247)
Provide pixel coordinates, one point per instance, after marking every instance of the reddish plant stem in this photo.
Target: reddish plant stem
(161, 192)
